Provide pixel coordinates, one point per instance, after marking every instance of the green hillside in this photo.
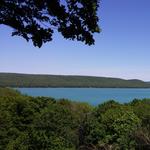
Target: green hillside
(30, 80)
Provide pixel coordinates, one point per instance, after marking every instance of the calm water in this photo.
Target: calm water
(93, 96)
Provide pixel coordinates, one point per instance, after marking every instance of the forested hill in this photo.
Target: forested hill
(30, 80)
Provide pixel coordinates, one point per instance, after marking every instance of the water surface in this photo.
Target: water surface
(93, 96)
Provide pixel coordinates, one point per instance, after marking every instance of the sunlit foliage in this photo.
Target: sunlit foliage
(29, 123)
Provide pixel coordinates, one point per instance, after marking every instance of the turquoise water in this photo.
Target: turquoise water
(93, 96)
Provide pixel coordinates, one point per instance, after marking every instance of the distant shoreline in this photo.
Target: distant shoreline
(89, 87)
(66, 81)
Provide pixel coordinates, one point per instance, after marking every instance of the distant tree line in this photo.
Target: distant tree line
(43, 123)
(30, 80)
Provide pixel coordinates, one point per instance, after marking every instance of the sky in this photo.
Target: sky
(121, 50)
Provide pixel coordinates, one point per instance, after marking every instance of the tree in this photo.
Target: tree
(120, 124)
(110, 126)
(36, 19)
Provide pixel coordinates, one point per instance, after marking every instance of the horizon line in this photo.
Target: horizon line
(73, 75)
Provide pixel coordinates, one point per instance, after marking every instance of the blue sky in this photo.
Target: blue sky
(121, 50)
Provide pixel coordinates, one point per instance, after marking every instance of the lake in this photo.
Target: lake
(93, 96)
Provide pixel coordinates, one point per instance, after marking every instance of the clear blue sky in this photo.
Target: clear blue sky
(122, 49)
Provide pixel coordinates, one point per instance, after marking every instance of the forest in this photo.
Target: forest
(35, 80)
(44, 123)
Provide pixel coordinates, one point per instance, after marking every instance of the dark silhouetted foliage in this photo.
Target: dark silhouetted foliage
(36, 19)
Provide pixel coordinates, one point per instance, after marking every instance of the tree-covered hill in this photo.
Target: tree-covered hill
(31, 80)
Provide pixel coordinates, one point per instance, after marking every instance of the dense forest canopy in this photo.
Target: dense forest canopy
(36, 19)
(43, 123)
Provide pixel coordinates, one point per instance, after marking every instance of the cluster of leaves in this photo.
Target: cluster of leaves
(37, 19)
(29, 123)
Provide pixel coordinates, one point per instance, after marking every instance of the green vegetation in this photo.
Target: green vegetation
(30, 80)
(42, 123)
